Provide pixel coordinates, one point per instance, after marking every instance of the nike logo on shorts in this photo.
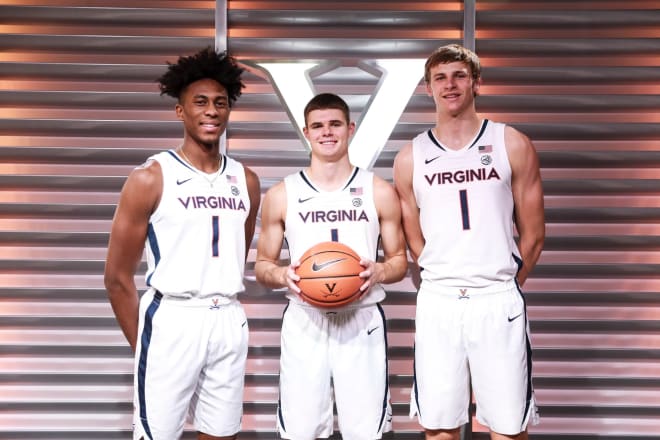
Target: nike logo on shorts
(317, 267)
(428, 161)
(514, 318)
(181, 182)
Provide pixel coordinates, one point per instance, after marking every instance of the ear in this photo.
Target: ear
(351, 129)
(475, 86)
(178, 108)
(428, 89)
(306, 133)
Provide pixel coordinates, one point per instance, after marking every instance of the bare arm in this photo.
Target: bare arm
(403, 181)
(267, 268)
(254, 192)
(527, 192)
(395, 262)
(139, 198)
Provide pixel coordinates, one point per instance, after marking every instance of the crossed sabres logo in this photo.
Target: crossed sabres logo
(398, 79)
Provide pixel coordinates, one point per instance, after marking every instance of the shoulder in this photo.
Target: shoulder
(276, 192)
(520, 150)
(515, 140)
(403, 163)
(146, 175)
(384, 192)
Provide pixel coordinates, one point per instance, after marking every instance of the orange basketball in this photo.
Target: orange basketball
(329, 275)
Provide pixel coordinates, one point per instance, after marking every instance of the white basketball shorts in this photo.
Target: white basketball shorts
(480, 335)
(324, 350)
(190, 360)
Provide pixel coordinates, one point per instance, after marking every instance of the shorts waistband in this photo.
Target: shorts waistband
(504, 286)
(213, 301)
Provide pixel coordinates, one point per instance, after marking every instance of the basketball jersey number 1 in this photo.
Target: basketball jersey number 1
(465, 213)
(216, 235)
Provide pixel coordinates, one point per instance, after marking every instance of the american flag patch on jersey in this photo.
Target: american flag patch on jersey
(231, 179)
(485, 148)
(356, 191)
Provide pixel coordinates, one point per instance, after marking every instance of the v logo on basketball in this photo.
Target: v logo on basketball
(330, 288)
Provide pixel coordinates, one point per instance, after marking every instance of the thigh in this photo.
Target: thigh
(166, 367)
(358, 356)
(501, 361)
(440, 395)
(305, 406)
(217, 406)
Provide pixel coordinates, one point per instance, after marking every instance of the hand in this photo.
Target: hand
(291, 278)
(371, 274)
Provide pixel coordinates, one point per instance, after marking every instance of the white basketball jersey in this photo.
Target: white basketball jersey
(196, 238)
(466, 209)
(347, 215)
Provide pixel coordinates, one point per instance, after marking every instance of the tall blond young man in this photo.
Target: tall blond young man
(338, 354)
(464, 186)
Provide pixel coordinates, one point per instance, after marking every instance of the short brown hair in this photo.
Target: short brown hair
(325, 101)
(452, 53)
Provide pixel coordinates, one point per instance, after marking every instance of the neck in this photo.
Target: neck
(329, 176)
(203, 159)
(455, 132)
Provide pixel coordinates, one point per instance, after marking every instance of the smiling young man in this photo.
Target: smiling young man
(332, 354)
(464, 185)
(194, 210)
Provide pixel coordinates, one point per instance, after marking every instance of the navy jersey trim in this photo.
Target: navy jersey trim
(181, 161)
(155, 250)
(145, 340)
(481, 133)
(224, 163)
(387, 369)
(528, 345)
(419, 409)
(303, 176)
(350, 179)
(434, 140)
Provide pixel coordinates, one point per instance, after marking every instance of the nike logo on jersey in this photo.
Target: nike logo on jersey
(428, 161)
(304, 200)
(371, 330)
(317, 267)
(181, 182)
(514, 318)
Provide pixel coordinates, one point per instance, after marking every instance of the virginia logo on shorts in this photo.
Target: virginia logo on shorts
(463, 294)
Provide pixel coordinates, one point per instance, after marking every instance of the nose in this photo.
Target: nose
(211, 109)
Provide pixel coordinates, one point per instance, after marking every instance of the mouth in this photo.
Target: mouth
(210, 126)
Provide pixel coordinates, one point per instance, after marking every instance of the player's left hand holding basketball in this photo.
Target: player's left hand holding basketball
(291, 278)
(372, 274)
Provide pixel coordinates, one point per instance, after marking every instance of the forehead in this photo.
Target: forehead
(205, 87)
(454, 66)
(325, 115)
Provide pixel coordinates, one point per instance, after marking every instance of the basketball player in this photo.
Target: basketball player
(464, 184)
(332, 353)
(194, 209)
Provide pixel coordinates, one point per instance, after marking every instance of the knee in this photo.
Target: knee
(443, 434)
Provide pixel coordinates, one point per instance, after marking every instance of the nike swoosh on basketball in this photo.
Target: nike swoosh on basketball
(428, 161)
(317, 267)
(515, 317)
(181, 182)
(304, 200)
